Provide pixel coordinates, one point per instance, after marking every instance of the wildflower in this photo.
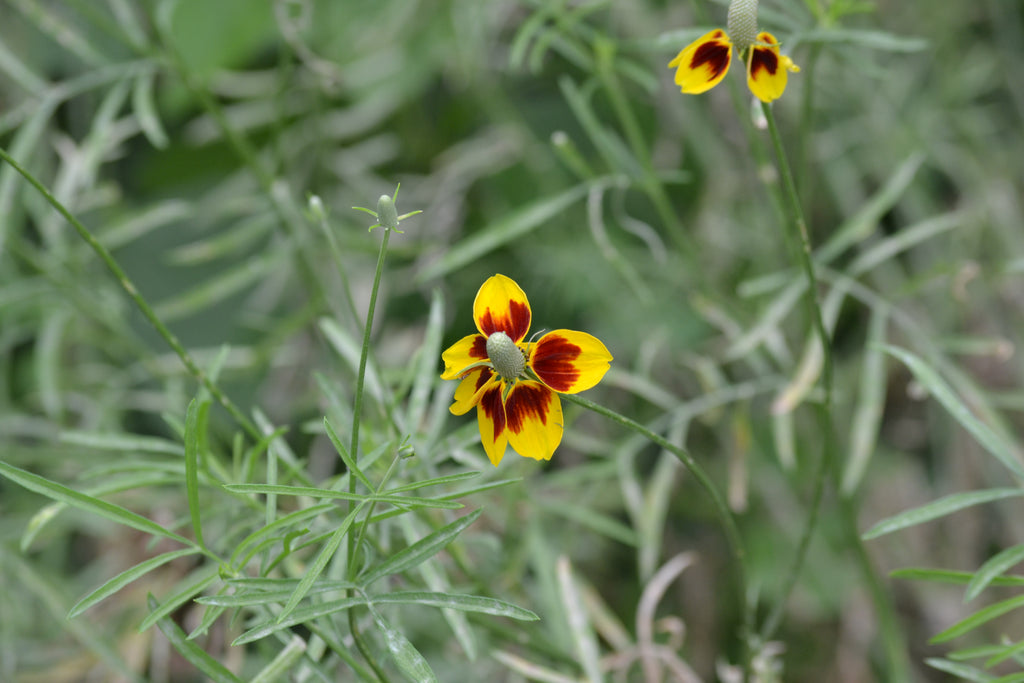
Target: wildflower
(702, 64)
(514, 384)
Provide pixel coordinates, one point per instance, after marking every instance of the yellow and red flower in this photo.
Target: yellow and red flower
(514, 383)
(702, 64)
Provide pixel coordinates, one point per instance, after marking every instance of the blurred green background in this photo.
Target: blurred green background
(544, 140)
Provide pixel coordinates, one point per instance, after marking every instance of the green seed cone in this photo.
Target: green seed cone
(742, 24)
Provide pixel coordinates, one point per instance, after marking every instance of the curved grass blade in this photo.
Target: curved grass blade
(315, 569)
(405, 654)
(420, 551)
(124, 578)
(465, 603)
(192, 467)
(993, 568)
(938, 508)
(949, 576)
(196, 655)
(279, 489)
(977, 619)
(114, 513)
(203, 578)
(938, 388)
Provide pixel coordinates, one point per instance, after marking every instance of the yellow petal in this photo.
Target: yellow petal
(703, 63)
(470, 389)
(534, 420)
(569, 361)
(463, 353)
(501, 306)
(767, 69)
(490, 415)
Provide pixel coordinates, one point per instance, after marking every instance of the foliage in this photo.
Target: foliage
(216, 464)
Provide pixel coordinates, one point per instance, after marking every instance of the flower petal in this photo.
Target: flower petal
(463, 353)
(569, 361)
(534, 416)
(471, 389)
(767, 69)
(490, 414)
(501, 306)
(702, 64)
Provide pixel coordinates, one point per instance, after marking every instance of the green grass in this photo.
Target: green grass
(213, 468)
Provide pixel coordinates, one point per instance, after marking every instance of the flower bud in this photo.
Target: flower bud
(387, 214)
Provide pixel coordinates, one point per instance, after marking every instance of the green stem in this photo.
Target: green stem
(826, 462)
(142, 304)
(725, 517)
(357, 411)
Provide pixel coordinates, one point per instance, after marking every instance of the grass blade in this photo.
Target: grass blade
(192, 467)
(114, 513)
(938, 388)
(124, 578)
(196, 655)
(938, 508)
(420, 551)
(315, 569)
(993, 568)
(977, 619)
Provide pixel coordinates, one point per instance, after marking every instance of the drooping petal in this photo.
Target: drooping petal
(703, 63)
(534, 420)
(463, 353)
(470, 389)
(501, 306)
(490, 414)
(767, 69)
(569, 361)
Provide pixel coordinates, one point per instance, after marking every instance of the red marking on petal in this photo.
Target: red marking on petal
(479, 348)
(525, 401)
(493, 408)
(515, 322)
(484, 378)
(763, 59)
(714, 54)
(553, 362)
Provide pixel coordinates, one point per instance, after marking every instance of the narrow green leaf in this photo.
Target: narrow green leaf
(507, 229)
(285, 660)
(302, 615)
(1005, 652)
(425, 369)
(980, 617)
(593, 520)
(196, 655)
(406, 656)
(948, 576)
(867, 419)
(993, 568)
(420, 551)
(464, 603)
(121, 443)
(265, 532)
(145, 110)
(938, 388)
(315, 569)
(346, 457)
(203, 578)
(278, 489)
(446, 479)
(580, 628)
(965, 672)
(115, 513)
(939, 508)
(124, 578)
(192, 469)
